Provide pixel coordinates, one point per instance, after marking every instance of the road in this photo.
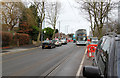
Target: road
(59, 61)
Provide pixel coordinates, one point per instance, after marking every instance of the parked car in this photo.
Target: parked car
(58, 43)
(64, 41)
(48, 44)
(54, 41)
(94, 40)
(107, 59)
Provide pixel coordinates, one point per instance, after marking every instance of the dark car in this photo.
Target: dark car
(107, 59)
(48, 44)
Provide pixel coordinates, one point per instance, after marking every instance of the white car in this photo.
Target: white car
(64, 41)
(94, 40)
(58, 43)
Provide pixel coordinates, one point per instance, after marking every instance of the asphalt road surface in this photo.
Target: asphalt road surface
(59, 61)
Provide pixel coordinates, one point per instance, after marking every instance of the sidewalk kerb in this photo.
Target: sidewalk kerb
(19, 51)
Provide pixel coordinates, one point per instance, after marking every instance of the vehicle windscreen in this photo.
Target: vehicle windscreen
(63, 39)
(46, 41)
(81, 38)
(94, 39)
(54, 40)
(94, 42)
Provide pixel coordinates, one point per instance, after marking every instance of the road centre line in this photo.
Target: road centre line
(56, 66)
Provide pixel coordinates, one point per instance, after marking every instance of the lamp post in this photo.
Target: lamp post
(44, 34)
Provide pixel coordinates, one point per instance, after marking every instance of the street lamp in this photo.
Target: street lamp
(44, 31)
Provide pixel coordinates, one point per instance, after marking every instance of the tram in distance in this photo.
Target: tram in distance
(81, 37)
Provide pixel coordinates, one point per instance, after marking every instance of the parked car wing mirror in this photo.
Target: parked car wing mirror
(91, 71)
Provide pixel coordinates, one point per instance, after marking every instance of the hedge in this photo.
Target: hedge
(8, 39)
(23, 39)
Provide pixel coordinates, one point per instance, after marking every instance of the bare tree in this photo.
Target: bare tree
(10, 14)
(98, 14)
(40, 5)
(52, 14)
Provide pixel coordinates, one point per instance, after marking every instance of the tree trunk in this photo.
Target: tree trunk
(38, 39)
(53, 33)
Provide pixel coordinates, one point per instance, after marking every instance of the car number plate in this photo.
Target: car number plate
(46, 46)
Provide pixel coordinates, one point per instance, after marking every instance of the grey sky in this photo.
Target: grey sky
(70, 18)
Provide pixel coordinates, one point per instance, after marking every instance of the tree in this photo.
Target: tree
(48, 32)
(98, 15)
(56, 31)
(34, 32)
(53, 10)
(35, 14)
(11, 14)
(29, 21)
(40, 6)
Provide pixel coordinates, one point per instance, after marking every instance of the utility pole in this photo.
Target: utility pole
(67, 28)
(59, 30)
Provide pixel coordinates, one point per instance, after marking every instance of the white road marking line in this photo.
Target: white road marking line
(81, 65)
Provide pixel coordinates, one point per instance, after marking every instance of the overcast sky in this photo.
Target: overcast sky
(71, 19)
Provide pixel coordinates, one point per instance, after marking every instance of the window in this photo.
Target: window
(100, 44)
(106, 45)
(104, 55)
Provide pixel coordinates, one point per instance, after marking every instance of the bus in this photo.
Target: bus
(81, 37)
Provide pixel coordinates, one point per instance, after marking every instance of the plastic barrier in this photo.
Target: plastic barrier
(91, 50)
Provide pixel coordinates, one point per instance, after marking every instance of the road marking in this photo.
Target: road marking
(56, 66)
(22, 71)
(81, 65)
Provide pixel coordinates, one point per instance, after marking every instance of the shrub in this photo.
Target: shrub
(23, 39)
(7, 38)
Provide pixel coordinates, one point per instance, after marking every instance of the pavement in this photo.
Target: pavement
(18, 49)
(60, 61)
